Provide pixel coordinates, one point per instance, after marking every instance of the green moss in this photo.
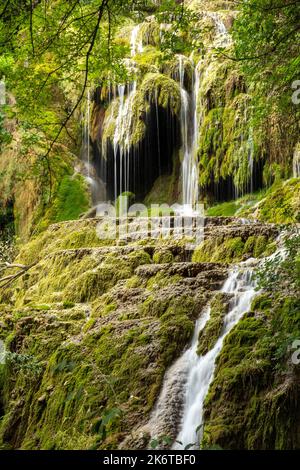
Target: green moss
(228, 251)
(71, 199)
(161, 280)
(281, 204)
(213, 328)
(176, 328)
(250, 400)
(67, 304)
(261, 303)
(260, 246)
(250, 245)
(232, 250)
(226, 209)
(163, 256)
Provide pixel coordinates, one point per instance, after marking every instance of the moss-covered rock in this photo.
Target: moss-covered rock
(252, 402)
(213, 328)
(227, 248)
(90, 332)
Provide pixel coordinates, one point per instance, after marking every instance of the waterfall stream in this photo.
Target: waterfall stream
(296, 163)
(223, 38)
(187, 382)
(200, 370)
(121, 141)
(189, 134)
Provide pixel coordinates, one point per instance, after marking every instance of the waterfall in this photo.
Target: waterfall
(189, 135)
(201, 370)
(122, 134)
(250, 145)
(223, 38)
(186, 384)
(136, 42)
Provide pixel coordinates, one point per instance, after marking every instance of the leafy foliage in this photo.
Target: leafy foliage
(282, 271)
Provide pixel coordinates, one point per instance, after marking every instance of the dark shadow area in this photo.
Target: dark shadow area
(153, 157)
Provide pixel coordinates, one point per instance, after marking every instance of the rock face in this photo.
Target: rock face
(92, 329)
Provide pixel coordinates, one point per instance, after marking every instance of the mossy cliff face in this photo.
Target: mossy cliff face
(237, 153)
(91, 330)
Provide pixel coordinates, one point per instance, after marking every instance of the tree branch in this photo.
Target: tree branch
(87, 59)
(7, 280)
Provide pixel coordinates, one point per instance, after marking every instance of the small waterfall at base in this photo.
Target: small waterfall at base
(200, 371)
(186, 383)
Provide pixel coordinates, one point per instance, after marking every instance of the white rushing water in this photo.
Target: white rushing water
(201, 370)
(189, 134)
(250, 147)
(121, 141)
(136, 41)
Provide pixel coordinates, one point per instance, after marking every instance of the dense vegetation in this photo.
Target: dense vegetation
(91, 325)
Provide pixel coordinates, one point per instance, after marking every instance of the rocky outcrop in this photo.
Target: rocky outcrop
(92, 328)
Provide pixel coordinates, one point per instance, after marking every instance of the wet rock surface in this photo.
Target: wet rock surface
(95, 326)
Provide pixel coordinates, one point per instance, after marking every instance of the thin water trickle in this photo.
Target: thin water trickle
(250, 145)
(122, 134)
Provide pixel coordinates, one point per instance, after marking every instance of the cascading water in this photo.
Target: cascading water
(296, 163)
(189, 135)
(250, 145)
(136, 42)
(201, 369)
(181, 401)
(223, 38)
(121, 141)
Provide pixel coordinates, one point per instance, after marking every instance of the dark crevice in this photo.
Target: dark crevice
(224, 189)
(147, 161)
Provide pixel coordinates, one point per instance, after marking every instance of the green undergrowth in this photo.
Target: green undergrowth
(278, 204)
(236, 207)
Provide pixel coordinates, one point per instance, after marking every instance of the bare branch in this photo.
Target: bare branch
(7, 280)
